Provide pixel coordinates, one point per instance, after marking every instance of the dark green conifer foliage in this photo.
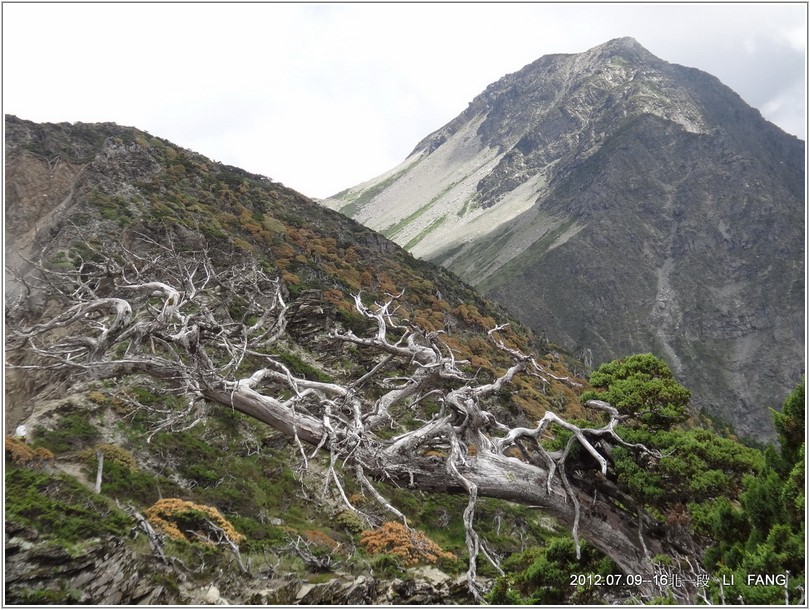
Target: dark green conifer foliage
(766, 535)
(643, 387)
(790, 426)
(749, 502)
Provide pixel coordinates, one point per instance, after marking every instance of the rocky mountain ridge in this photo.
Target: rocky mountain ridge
(619, 203)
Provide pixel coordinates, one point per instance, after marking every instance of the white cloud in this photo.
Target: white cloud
(322, 96)
(795, 36)
(782, 110)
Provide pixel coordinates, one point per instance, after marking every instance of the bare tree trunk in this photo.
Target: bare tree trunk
(99, 469)
(496, 476)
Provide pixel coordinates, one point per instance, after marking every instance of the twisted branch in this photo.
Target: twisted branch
(209, 322)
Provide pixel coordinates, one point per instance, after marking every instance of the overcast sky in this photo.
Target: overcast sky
(324, 96)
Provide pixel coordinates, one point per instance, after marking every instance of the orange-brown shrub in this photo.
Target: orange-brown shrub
(21, 453)
(18, 451)
(411, 545)
(358, 499)
(43, 453)
(321, 539)
(113, 453)
(177, 518)
(290, 278)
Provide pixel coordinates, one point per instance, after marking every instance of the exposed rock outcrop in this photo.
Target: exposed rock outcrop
(110, 572)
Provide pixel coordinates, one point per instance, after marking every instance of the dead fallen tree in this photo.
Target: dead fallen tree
(174, 317)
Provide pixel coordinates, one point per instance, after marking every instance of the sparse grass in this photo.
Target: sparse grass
(426, 231)
(299, 367)
(393, 230)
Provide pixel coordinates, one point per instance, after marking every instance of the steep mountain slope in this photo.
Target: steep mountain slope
(72, 185)
(92, 207)
(620, 204)
(68, 184)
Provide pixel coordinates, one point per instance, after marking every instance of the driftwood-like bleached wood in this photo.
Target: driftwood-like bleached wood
(173, 317)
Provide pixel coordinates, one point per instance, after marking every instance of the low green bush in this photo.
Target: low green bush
(60, 507)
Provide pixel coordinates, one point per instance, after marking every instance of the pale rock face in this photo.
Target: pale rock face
(619, 204)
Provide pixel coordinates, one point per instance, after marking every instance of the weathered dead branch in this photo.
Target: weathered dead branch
(171, 315)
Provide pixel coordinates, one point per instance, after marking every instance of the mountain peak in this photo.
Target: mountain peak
(625, 41)
(514, 195)
(582, 86)
(622, 43)
(626, 47)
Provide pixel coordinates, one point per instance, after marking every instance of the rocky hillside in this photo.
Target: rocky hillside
(619, 204)
(89, 183)
(99, 215)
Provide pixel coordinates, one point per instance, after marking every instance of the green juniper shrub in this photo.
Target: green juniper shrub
(69, 433)
(62, 596)
(543, 575)
(747, 501)
(60, 507)
(642, 387)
